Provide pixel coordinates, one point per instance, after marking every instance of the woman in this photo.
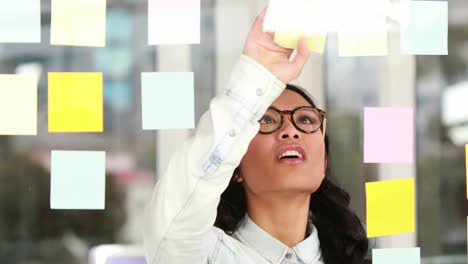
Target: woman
(266, 145)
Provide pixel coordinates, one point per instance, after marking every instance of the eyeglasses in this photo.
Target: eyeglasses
(306, 119)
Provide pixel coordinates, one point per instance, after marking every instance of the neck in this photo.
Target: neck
(283, 216)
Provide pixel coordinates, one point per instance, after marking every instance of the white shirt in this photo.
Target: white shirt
(180, 216)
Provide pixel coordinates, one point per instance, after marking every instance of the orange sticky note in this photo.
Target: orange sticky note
(75, 102)
(315, 43)
(390, 207)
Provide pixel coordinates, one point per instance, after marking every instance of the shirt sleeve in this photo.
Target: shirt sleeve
(180, 216)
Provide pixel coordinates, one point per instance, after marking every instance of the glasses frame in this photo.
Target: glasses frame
(323, 116)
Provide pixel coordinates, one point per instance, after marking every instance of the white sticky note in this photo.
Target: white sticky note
(167, 100)
(20, 21)
(18, 104)
(322, 16)
(427, 30)
(77, 180)
(396, 255)
(173, 22)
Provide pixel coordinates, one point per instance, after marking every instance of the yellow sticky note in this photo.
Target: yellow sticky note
(390, 207)
(18, 104)
(363, 44)
(75, 102)
(78, 23)
(315, 43)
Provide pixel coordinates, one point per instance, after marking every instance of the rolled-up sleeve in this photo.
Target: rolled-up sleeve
(180, 215)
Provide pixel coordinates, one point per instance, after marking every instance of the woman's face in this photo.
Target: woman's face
(263, 172)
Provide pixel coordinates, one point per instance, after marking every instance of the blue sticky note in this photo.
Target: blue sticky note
(20, 21)
(396, 255)
(77, 180)
(167, 100)
(427, 29)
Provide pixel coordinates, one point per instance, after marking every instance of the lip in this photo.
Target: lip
(295, 147)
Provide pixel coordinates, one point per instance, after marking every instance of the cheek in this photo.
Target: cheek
(259, 154)
(256, 153)
(316, 152)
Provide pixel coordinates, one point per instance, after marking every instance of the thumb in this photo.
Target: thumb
(302, 55)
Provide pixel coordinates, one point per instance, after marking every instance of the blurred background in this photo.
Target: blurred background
(436, 86)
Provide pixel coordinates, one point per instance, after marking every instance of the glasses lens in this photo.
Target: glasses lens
(270, 121)
(308, 119)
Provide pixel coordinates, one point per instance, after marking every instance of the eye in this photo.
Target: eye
(304, 119)
(266, 119)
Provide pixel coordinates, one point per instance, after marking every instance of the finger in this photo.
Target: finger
(262, 14)
(302, 54)
(258, 24)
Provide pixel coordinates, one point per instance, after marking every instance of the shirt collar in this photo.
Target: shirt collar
(274, 250)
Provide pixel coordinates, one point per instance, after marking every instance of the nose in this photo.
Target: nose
(288, 130)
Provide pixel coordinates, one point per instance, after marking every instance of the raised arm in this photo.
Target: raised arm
(180, 216)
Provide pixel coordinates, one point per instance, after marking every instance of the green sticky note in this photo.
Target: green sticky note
(427, 29)
(77, 180)
(18, 104)
(396, 255)
(167, 100)
(78, 23)
(20, 21)
(363, 44)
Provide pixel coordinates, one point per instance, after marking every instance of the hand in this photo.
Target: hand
(261, 47)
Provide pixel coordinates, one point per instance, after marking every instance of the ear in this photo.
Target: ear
(324, 128)
(239, 179)
(325, 163)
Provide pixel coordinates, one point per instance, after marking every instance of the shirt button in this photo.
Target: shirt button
(259, 92)
(288, 255)
(232, 133)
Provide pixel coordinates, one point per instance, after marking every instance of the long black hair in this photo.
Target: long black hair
(341, 234)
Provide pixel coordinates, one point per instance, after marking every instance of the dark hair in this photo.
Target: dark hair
(341, 234)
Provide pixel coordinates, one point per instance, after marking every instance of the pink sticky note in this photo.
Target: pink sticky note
(173, 22)
(388, 135)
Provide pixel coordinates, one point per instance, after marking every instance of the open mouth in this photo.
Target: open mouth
(290, 154)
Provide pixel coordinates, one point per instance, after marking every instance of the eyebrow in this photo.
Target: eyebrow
(309, 105)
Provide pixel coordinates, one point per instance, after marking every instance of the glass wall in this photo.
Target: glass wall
(436, 86)
(442, 132)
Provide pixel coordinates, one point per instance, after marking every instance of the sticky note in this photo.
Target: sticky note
(78, 23)
(75, 102)
(20, 21)
(363, 44)
(427, 29)
(390, 207)
(18, 104)
(388, 134)
(167, 100)
(77, 180)
(321, 16)
(173, 22)
(315, 43)
(396, 255)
